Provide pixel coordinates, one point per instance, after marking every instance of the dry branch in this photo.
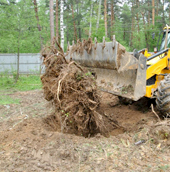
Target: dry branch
(155, 113)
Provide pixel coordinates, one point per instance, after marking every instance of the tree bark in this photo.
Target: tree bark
(112, 18)
(132, 27)
(153, 12)
(79, 30)
(98, 16)
(163, 18)
(38, 25)
(75, 31)
(17, 76)
(57, 33)
(67, 30)
(78, 18)
(105, 16)
(90, 20)
(157, 7)
(124, 34)
(146, 38)
(18, 52)
(51, 20)
(137, 15)
(62, 23)
(36, 14)
(169, 13)
(148, 14)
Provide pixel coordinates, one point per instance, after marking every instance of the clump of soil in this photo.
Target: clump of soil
(72, 90)
(81, 46)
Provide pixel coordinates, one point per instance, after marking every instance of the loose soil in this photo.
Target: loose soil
(29, 143)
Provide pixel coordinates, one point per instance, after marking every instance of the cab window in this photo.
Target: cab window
(162, 46)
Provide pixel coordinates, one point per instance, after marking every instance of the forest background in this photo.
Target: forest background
(28, 25)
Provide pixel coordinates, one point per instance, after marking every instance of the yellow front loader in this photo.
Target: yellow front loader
(126, 75)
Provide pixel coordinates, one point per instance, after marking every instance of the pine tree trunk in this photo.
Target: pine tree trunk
(169, 13)
(137, 15)
(153, 12)
(57, 33)
(79, 29)
(38, 25)
(157, 7)
(105, 16)
(124, 34)
(148, 14)
(18, 57)
(62, 23)
(90, 20)
(18, 51)
(112, 18)
(163, 18)
(132, 27)
(98, 16)
(67, 30)
(75, 31)
(36, 15)
(146, 38)
(51, 20)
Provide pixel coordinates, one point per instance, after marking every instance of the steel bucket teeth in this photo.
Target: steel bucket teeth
(118, 72)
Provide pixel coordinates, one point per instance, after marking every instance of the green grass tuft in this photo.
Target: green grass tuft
(5, 100)
(8, 86)
(25, 83)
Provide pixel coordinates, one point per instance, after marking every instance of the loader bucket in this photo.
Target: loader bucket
(118, 72)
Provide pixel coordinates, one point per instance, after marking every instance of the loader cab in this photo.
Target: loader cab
(161, 46)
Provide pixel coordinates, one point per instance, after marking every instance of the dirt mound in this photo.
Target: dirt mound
(73, 92)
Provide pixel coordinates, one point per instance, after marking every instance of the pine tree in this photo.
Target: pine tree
(62, 23)
(51, 20)
(105, 16)
(37, 18)
(57, 32)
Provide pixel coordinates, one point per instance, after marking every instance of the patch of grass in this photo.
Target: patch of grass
(4, 100)
(164, 167)
(25, 83)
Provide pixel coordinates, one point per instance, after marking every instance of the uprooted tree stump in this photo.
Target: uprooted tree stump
(72, 90)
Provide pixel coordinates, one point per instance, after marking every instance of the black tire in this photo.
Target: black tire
(163, 97)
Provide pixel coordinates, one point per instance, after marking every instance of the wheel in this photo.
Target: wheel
(163, 97)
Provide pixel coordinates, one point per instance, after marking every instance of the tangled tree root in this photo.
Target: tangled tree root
(79, 47)
(72, 90)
